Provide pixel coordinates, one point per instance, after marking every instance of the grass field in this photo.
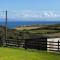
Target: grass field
(44, 31)
(22, 54)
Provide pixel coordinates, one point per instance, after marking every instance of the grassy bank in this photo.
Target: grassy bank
(22, 54)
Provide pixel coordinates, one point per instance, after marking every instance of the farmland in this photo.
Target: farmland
(41, 29)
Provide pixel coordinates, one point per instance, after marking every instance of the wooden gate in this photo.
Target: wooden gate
(40, 44)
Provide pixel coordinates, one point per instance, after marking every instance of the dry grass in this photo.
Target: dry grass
(26, 28)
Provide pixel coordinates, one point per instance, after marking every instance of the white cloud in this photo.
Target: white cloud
(32, 15)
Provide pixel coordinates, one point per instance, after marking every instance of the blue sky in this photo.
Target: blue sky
(30, 4)
(31, 9)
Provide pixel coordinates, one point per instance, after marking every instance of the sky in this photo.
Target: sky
(31, 9)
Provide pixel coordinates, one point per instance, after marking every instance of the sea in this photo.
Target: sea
(12, 24)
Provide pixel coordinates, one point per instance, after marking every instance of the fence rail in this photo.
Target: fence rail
(53, 46)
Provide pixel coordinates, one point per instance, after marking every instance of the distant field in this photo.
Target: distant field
(26, 28)
(22, 54)
(44, 31)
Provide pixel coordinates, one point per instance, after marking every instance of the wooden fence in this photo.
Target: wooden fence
(40, 44)
(53, 46)
(15, 43)
(12, 43)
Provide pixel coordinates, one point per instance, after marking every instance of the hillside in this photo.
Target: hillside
(28, 31)
(42, 29)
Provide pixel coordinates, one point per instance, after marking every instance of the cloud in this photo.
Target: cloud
(32, 15)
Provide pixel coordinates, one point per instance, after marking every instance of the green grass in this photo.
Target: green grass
(22, 54)
(44, 31)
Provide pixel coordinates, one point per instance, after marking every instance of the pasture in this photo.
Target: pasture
(22, 54)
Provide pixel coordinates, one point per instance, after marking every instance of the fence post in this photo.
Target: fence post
(58, 45)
